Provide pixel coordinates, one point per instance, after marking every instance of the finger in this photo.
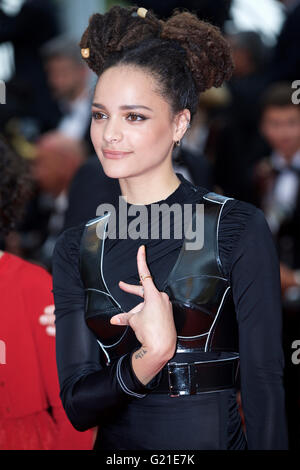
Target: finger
(121, 319)
(47, 320)
(132, 289)
(50, 330)
(49, 310)
(143, 271)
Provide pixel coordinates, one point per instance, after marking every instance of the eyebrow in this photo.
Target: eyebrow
(124, 107)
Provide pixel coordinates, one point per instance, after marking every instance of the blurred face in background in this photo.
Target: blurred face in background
(243, 62)
(57, 159)
(280, 126)
(66, 77)
(47, 170)
(129, 116)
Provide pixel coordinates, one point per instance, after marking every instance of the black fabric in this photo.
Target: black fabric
(91, 393)
(285, 65)
(90, 187)
(28, 92)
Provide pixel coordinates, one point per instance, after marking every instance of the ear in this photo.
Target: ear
(181, 124)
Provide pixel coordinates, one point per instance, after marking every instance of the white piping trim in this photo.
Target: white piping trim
(103, 349)
(218, 223)
(212, 391)
(121, 382)
(101, 270)
(219, 218)
(105, 293)
(101, 291)
(192, 337)
(198, 276)
(216, 317)
(204, 362)
(211, 200)
(88, 224)
(219, 202)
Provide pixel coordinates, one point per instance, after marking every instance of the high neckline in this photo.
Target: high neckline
(178, 195)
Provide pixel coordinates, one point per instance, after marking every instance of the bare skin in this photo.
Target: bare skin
(129, 115)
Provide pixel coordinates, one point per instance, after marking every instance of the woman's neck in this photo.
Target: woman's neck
(143, 189)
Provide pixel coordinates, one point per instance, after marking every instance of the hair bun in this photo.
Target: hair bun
(208, 53)
(117, 29)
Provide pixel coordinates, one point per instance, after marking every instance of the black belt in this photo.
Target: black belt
(198, 377)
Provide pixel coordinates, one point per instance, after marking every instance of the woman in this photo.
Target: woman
(31, 414)
(154, 365)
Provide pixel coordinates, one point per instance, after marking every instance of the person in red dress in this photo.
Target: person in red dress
(31, 413)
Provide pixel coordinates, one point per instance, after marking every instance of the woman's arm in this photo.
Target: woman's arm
(256, 291)
(89, 392)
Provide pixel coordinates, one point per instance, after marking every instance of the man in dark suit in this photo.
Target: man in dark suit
(28, 94)
(286, 59)
(278, 182)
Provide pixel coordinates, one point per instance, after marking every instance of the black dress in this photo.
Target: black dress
(139, 419)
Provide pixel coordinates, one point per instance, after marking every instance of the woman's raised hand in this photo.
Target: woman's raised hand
(152, 320)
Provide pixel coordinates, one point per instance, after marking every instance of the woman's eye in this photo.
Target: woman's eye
(97, 115)
(135, 117)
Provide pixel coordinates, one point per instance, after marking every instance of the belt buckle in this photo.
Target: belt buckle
(181, 379)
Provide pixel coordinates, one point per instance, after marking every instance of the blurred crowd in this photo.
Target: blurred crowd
(244, 142)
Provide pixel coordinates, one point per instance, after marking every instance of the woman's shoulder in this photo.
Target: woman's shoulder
(66, 260)
(237, 220)
(240, 223)
(67, 247)
(68, 242)
(234, 213)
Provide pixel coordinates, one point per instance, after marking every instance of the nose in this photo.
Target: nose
(112, 131)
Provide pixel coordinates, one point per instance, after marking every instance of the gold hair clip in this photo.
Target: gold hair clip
(85, 53)
(142, 12)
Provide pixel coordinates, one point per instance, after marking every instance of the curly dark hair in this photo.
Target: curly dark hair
(185, 54)
(15, 188)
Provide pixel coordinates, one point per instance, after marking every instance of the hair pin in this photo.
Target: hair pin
(85, 52)
(142, 12)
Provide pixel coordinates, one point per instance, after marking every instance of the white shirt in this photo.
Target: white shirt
(281, 200)
(75, 123)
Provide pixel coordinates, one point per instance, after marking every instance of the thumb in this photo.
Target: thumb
(123, 318)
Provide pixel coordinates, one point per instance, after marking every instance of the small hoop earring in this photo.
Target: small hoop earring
(177, 143)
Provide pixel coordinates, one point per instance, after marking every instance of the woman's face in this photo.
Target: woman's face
(130, 119)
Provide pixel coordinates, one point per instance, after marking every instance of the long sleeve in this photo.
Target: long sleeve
(89, 392)
(255, 281)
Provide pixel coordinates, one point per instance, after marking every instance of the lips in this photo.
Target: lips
(115, 154)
